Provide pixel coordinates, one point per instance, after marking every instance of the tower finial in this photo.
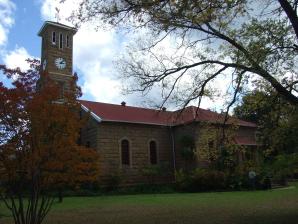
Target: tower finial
(57, 14)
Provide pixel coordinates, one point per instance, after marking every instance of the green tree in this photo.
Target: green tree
(238, 38)
(277, 120)
(186, 151)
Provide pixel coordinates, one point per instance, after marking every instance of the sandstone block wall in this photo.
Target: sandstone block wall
(105, 137)
(109, 136)
(52, 51)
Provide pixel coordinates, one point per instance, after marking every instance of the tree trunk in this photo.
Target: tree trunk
(289, 10)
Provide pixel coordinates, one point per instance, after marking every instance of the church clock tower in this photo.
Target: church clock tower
(57, 51)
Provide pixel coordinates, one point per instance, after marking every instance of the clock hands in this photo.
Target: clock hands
(60, 63)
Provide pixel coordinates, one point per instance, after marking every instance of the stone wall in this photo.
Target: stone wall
(191, 130)
(52, 51)
(246, 131)
(203, 133)
(105, 137)
(88, 134)
(109, 136)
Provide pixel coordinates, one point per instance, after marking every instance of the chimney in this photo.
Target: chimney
(164, 109)
(123, 103)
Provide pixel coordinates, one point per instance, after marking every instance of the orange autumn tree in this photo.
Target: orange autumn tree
(39, 154)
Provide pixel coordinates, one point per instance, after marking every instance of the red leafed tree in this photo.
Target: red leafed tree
(39, 154)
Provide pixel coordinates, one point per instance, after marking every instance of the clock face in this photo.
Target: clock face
(44, 64)
(60, 63)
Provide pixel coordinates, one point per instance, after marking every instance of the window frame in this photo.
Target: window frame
(67, 41)
(149, 152)
(129, 153)
(54, 38)
(60, 40)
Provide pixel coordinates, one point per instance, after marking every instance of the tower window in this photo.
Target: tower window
(61, 41)
(54, 37)
(67, 41)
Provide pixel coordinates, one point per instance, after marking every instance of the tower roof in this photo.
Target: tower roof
(50, 23)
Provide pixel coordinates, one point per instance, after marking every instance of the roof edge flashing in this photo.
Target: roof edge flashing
(97, 118)
(138, 122)
(47, 23)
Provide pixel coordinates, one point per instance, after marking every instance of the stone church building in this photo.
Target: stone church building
(131, 139)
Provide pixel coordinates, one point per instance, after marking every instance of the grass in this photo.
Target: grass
(255, 207)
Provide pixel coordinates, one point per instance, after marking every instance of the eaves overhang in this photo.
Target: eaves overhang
(97, 118)
(48, 23)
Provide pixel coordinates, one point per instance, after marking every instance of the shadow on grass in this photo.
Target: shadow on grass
(273, 218)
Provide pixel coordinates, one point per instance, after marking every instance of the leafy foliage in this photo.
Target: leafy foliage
(152, 172)
(239, 39)
(38, 150)
(188, 145)
(200, 180)
(277, 120)
(284, 167)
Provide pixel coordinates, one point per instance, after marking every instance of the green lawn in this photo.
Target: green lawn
(274, 206)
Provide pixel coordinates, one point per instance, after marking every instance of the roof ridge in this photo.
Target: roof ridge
(119, 105)
(117, 112)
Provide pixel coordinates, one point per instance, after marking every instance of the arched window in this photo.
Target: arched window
(153, 152)
(125, 154)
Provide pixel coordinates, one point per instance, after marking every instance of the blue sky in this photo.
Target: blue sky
(94, 51)
(27, 16)
(23, 33)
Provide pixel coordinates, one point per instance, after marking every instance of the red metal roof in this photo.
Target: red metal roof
(192, 113)
(119, 113)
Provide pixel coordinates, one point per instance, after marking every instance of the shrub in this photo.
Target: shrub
(183, 180)
(266, 183)
(151, 173)
(113, 182)
(187, 153)
(200, 180)
(236, 181)
(238, 178)
(284, 166)
(203, 179)
(147, 189)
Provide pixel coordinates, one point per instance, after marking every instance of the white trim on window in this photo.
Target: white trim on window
(120, 153)
(157, 151)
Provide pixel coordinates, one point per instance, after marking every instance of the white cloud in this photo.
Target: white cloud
(7, 9)
(166, 54)
(95, 51)
(48, 10)
(17, 58)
